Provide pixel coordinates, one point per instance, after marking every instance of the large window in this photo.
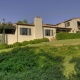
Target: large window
(25, 31)
(48, 32)
(67, 24)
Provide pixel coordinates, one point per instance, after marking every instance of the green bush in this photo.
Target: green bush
(65, 35)
(10, 46)
(25, 43)
(45, 40)
(35, 41)
(3, 46)
(17, 44)
(31, 63)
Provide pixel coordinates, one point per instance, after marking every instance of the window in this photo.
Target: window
(78, 24)
(25, 31)
(48, 32)
(67, 24)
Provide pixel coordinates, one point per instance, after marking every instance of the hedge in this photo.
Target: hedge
(3, 46)
(17, 44)
(65, 35)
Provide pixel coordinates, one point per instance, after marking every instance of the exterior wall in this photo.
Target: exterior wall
(22, 38)
(49, 37)
(12, 38)
(38, 28)
(62, 25)
(73, 25)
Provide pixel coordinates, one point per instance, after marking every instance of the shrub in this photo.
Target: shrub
(10, 46)
(65, 35)
(25, 43)
(17, 44)
(38, 40)
(45, 40)
(3, 46)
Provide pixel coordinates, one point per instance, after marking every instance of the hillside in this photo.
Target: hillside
(41, 63)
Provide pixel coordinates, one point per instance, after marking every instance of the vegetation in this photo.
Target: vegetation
(24, 43)
(41, 63)
(24, 21)
(65, 35)
(30, 63)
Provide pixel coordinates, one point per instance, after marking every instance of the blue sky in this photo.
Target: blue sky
(51, 11)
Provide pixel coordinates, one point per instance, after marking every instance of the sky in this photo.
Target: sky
(51, 11)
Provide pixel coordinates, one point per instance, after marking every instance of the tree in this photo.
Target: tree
(23, 22)
(20, 22)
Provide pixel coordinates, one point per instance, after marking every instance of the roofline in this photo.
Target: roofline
(67, 20)
(24, 24)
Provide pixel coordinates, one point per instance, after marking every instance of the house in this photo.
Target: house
(25, 32)
(71, 25)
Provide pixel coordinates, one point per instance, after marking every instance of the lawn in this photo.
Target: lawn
(59, 42)
(58, 60)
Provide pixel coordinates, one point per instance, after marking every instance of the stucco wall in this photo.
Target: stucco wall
(12, 38)
(22, 38)
(38, 28)
(50, 37)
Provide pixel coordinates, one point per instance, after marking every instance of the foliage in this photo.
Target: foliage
(38, 40)
(24, 21)
(25, 43)
(3, 46)
(17, 44)
(65, 35)
(30, 63)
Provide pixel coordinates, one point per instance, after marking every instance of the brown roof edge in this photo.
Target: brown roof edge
(67, 20)
(24, 24)
(63, 28)
(49, 26)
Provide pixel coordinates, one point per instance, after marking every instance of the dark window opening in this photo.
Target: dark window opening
(78, 24)
(25, 31)
(8, 31)
(48, 32)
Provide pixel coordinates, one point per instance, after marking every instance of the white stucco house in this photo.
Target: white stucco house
(37, 30)
(26, 32)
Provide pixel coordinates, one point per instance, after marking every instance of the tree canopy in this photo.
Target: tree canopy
(24, 21)
(7, 25)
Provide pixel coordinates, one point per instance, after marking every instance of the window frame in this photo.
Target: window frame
(49, 32)
(67, 24)
(25, 31)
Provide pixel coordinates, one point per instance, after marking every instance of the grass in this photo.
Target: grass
(39, 63)
(59, 42)
(58, 60)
